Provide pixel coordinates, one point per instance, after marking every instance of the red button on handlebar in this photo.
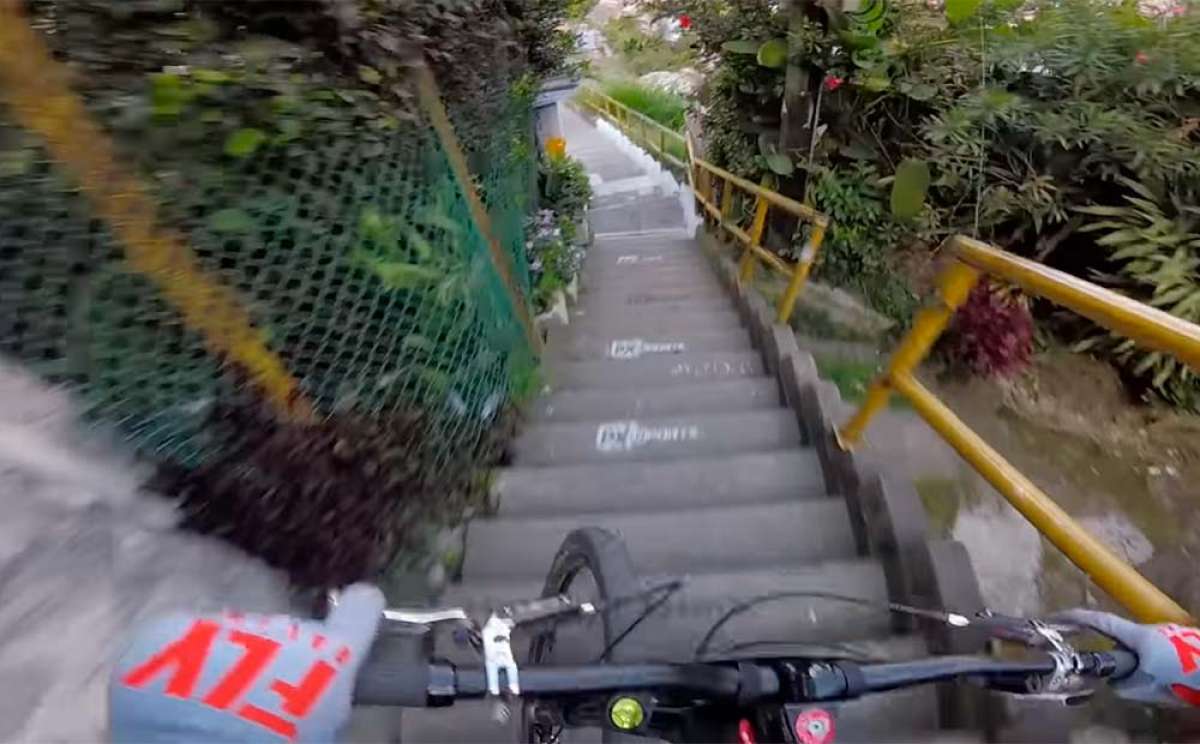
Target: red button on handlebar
(746, 733)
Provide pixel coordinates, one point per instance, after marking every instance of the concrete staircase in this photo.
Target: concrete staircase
(680, 415)
(662, 423)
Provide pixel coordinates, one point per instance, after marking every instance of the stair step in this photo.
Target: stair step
(639, 323)
(649, 280)
(651, 294)
(760, 477)
(648, 303)
(643, 256)
(658, 438)
(632, 243)
(661, 262)
(624, 374)
(730, 396)
(469, 721)
(675, 630)
(694, 279)
(583, 346)
(697, 540)
(648, 213)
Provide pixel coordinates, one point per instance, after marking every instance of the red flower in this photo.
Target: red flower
(833, 82)
(685, 21)
(1141, 58)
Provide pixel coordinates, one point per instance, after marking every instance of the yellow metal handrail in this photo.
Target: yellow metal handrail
(700, 177)
(622, 116)
(702, 184)
(1149, 326)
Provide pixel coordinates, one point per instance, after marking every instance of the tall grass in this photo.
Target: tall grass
(665, 108)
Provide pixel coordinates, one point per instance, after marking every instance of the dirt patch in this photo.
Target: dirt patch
(1124, 469)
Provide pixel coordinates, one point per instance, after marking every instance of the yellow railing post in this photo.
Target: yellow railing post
(787, 303)
(954, 284)
(757, 228)
(435, 109)
(1147, 603)
(37, 91)
(726, 199)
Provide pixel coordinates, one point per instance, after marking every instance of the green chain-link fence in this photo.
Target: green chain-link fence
(168, 246)
(355, 255)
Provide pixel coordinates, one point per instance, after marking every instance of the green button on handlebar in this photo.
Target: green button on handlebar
(626, 713)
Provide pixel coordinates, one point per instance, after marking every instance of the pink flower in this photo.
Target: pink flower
(685, 21)
(833, 82)
(1141, 58)
(1179, 10)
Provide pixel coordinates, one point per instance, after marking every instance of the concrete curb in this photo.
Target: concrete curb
(887, 516)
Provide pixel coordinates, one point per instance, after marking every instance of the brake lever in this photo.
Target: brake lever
(545, 608)
(1066, 683)
(426, 617)
(1031, 633)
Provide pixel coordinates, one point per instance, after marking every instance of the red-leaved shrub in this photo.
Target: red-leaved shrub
(992, 334)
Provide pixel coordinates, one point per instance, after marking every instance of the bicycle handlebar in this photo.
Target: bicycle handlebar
(440, 684)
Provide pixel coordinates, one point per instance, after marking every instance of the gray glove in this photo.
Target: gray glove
(1168, 670)
(243, 678)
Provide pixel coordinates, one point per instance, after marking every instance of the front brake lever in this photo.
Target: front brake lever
(1030, 633)
(426, 617)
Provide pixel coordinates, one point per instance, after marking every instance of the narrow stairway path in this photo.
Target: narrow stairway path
(661, 422)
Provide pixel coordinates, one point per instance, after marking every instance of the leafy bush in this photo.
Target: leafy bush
(857, 251)
(1025, 117)
(564, 186)
(642, 52)
(1155, 249)
(992, 333)
(663, 107)
(554, 256)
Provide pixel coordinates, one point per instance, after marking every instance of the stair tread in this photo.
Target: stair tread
(656, 370)
(714, 396)
(588, 346)
(650, 303)
(675, 541)
(639, 322)
(757, 477)
(656, 438)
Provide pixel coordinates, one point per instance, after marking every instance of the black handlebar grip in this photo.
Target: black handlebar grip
(1125, 663)
(397, 673)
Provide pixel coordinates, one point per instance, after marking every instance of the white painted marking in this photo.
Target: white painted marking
(632, 348)
(633, 259)
(711, 369)
(624, 436)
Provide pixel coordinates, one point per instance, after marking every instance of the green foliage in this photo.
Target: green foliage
(1024, 121)
(231, 220)
(641, 52)
(565, 187)
(1154, 243)
(909, 189)
(958, 11)
(662, 106)
(857, 250)
(852, 377)
(577, 10)
(244, 142)
(773, 53)
(742, 46)
(554, 256)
